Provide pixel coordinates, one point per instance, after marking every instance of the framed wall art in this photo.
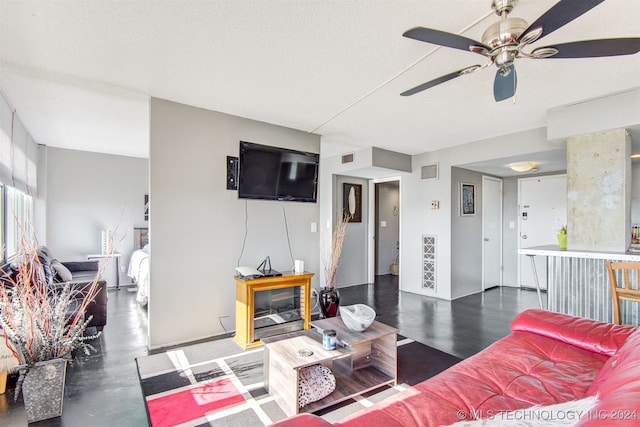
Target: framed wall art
(352, 201)
(467, 199)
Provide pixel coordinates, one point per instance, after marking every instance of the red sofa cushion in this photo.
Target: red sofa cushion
(598, 337)
(617, 386)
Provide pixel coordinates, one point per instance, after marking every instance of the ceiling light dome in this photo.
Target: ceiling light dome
(523, 166)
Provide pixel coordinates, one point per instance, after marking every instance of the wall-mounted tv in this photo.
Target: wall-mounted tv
(274, 173)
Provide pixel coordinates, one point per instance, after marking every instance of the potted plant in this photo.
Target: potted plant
(329, 297)
(43, 325)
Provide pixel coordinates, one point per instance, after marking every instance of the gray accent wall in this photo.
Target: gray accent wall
(85, 193)
(466, 237)
(390, 160)
(201, 231)
(352, 269)
(510, 235)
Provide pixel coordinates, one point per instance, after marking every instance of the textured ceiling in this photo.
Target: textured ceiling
(80, 73)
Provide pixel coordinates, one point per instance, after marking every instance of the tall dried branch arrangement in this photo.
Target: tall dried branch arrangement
(40, 321)
(331, 259)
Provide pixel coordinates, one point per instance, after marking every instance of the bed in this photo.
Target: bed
(138, 270)
(139, 273)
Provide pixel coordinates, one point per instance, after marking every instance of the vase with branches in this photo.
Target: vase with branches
(42, 321)
(329, 297)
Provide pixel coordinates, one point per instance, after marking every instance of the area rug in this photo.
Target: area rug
(216, 383)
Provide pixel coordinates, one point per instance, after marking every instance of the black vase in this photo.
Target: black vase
(329, 301)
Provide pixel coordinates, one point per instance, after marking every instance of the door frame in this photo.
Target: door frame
(372, 226)
(501, 219)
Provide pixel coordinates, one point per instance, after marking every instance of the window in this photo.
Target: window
(18, 214)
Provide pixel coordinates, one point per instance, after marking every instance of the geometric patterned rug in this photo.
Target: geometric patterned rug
(217, 383)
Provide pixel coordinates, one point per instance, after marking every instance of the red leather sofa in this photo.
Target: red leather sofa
(548, 358)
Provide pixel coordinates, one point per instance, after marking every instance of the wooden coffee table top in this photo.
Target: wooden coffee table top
(288, 349)
(349, 337)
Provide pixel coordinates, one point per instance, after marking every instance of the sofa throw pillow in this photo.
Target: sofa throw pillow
(560, 414)
(62, 273)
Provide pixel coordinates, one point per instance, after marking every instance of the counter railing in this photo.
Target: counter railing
(578, 284)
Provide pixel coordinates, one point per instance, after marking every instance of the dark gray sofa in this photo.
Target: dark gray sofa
(80, 274)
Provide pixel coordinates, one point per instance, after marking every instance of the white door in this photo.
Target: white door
(491, 232)
(542, 209)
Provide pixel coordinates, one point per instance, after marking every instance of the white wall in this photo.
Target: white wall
(87, 193)
(466, 237)
(198, 226)
(418, 217)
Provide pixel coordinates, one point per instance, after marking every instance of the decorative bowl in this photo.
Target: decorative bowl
(357, 317)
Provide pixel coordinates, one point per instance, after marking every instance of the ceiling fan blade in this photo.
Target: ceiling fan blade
(504, 86)
(596, 48)
(443, 38)
(561, 14)
(442, 79)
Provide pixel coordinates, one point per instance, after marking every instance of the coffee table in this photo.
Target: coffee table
(362, 361)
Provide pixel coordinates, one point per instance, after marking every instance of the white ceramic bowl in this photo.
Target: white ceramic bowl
(357, 317)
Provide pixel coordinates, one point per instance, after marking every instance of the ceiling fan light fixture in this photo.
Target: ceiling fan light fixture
(531, 36)
(503, 6)
(543, 52)
(523, 167)
(504, 32)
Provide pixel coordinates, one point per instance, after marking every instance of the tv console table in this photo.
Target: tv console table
(245, 302)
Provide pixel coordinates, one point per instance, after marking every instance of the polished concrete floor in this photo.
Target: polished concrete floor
(103, 390)
(461, 327)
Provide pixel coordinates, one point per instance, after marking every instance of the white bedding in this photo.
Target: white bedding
(139, 272)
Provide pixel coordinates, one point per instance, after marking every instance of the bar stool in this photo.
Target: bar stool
(623, 290)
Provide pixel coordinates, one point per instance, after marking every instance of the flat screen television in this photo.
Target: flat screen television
(274, 173)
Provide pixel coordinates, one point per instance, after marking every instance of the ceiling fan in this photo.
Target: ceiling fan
(503, 42)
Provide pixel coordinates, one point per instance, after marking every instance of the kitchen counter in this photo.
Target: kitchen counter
(578, 282)
(553, 250)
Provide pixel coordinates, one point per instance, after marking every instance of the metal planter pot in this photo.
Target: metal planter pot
(43, 390)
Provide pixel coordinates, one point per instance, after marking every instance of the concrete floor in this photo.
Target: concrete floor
(103, 390)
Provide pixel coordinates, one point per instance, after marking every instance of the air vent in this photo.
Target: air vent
(429, 171)
(347, 158)
(429, 262)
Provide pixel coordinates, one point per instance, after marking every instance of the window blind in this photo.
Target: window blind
(18, 151)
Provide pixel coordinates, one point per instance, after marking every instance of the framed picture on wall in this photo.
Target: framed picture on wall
(352, 201)
(467, 199)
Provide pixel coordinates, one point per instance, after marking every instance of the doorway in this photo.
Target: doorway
(542, 211)
(386, 230)
(491, 232)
